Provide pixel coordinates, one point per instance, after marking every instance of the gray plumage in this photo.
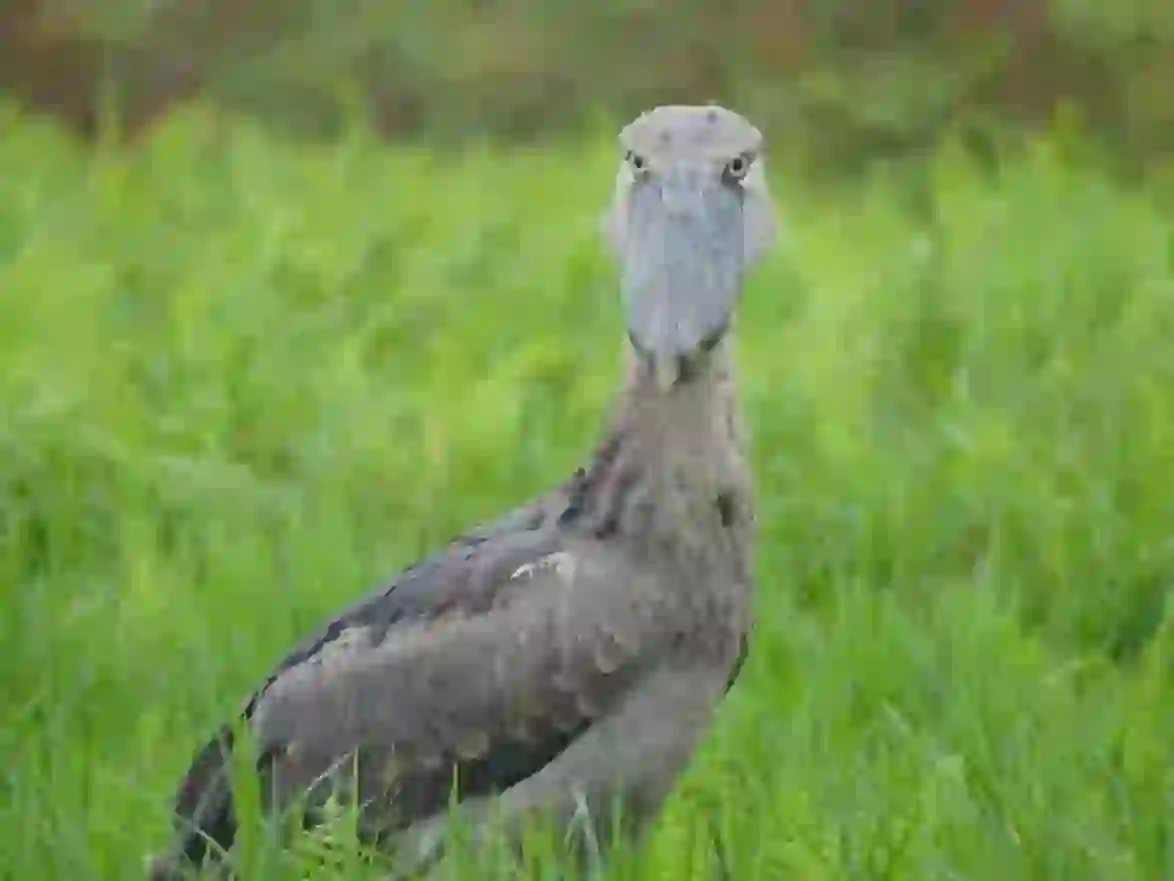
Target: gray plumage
(571, 653)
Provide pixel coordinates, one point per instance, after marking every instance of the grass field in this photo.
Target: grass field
(241, 382)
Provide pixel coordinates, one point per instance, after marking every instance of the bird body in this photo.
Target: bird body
(570, 654)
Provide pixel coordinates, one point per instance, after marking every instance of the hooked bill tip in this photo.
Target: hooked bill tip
(666, 367)
(666, 370)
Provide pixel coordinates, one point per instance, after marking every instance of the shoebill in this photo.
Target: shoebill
(565, 660)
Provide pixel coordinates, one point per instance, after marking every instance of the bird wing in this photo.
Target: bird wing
(457, 575)
(462, 590)
(493, 694)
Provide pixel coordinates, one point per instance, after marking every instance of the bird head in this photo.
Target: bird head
(691, 214)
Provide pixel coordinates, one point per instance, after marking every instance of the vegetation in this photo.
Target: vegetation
(241, 381)
(843, 77)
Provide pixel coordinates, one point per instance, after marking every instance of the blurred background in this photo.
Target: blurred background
(844, 79)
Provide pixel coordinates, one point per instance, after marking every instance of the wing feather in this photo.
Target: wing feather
(435, 684)
(459, 579)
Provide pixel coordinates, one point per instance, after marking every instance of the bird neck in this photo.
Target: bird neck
(672, 464)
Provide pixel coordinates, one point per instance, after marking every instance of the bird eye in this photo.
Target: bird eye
(638, 162)
(737, 167)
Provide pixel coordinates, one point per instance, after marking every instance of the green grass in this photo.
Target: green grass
(241, 382)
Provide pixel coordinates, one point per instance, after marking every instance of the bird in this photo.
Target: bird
(565, 660)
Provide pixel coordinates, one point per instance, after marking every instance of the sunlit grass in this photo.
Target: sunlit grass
(242, 382)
